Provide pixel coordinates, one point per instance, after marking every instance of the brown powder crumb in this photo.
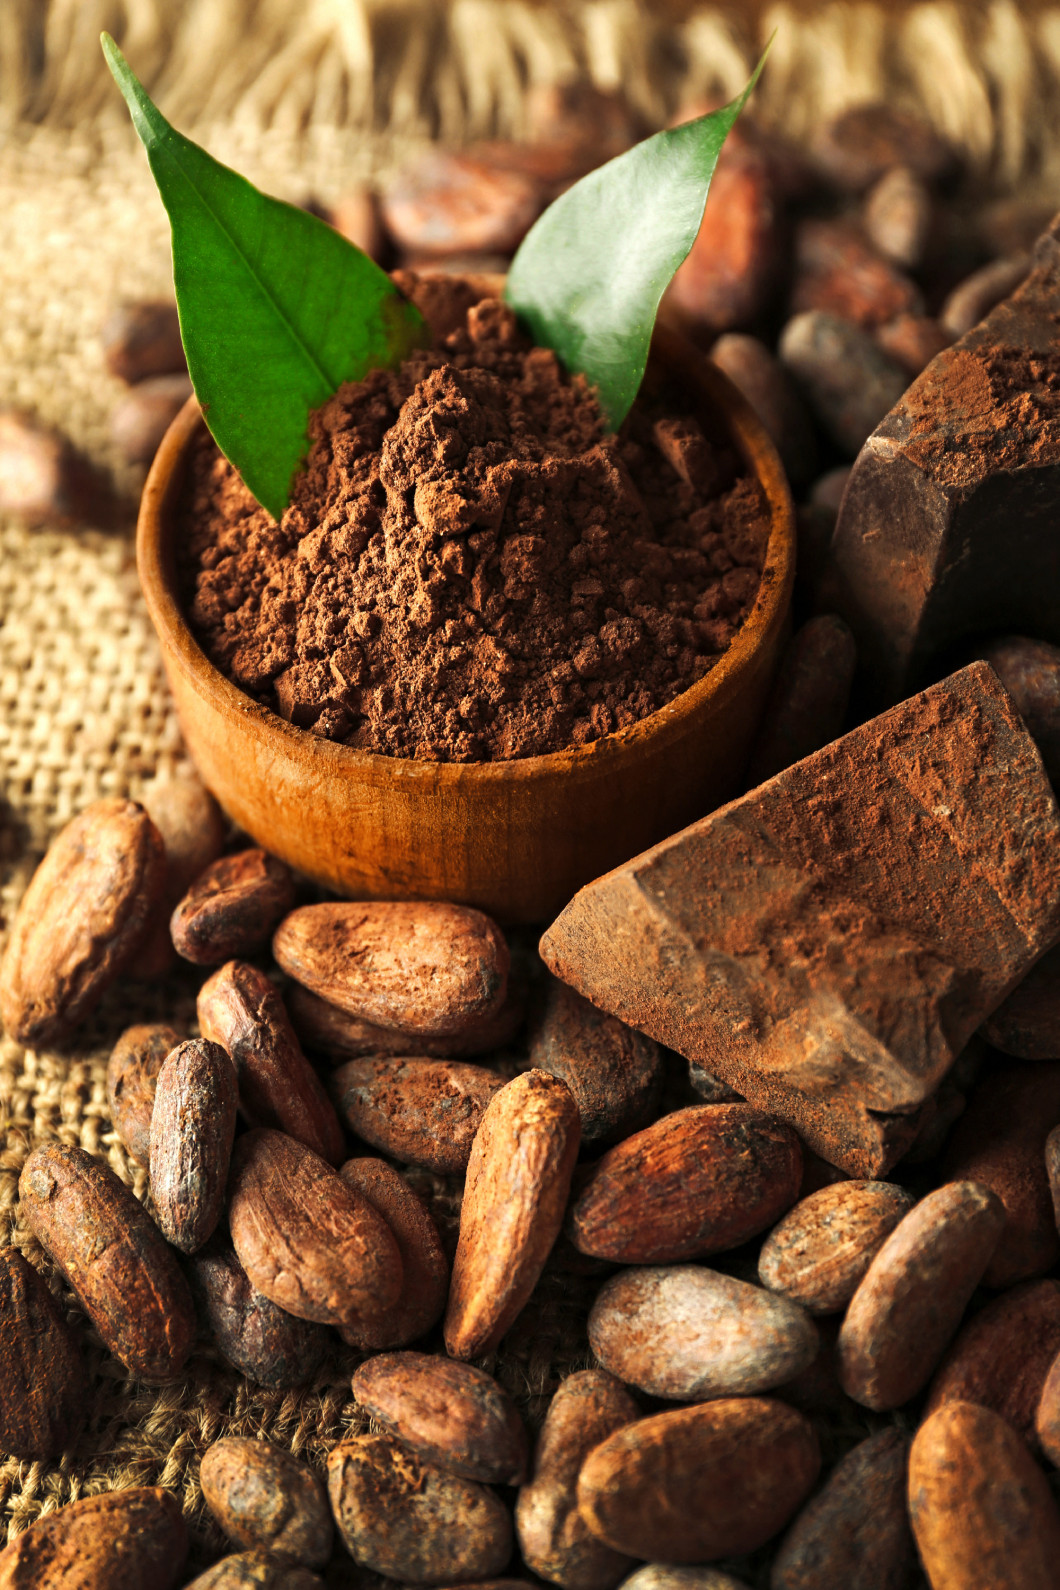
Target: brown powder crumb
(469, 569)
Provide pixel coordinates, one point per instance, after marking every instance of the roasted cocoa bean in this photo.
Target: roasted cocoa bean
(240, 1009)
(614, 1072)
(230, 910)
(424, 1266)
(193, 832)
(698, 1181)
(899, 217)
(306, 1239)
(450, 203)
(1047, 1418)
(432, 969)
(854, 1534)
(266, 1498)
(192, 1130)
(767, 386)
(1000, 1142)
(838, 272)
(1030, 672)
(688, 1333)
(113, 1255)
(411, 1521)
(667, 1576)
(42, 1376)
(253, 1570)
(139, 422)
(341, 1036)
(422, 1112)
(132, 1076)
(141, 337)
(448, 1413)
(848, 380)
(43, 480)
(264, 1342)
(554, 1538)
(819, 1253)
(122, 1540)
(728, 277)
(711, 1481)
(981, 1509)
(1002, 1356)
(518, 1178)
(973, 299)
(856, 147)
(86, 909)
(910, 1302)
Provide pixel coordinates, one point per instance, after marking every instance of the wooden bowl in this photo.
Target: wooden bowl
(515, 838)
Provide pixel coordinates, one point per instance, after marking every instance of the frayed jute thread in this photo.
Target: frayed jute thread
(987, 75)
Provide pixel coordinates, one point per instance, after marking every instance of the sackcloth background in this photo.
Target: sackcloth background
(307, 100)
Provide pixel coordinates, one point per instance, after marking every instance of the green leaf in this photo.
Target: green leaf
(276, 309)
(589, 275)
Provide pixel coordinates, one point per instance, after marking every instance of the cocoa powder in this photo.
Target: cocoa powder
(469, 569)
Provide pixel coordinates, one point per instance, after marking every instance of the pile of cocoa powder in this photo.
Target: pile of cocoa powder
(470, 569)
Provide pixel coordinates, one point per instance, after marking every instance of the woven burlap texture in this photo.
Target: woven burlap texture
(84, 713)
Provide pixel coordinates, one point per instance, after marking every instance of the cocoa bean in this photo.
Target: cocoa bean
(80, 921)
(614, 1072)
(193, 832)
(428, 968)
(122, 1540)
(1027, 1023)
(698, 1181)
(667, 1576)
(240, 1009)
(857, 146)
(973, 299)
(231, 908)
(408, 1520)
(1001, 1358)
(912, 341)
(899, 216)
(424, 1267)
(981, 1509)
(910, 1302)
(132, 1075)
(819, 1253)
(141, 337)
(772, 394)
(449, 203)
(598, 121)
(253, 1570)
(358, 215)
(112, 1254)
(728, 277)
(43, 480)
(262, 1341)
(1000, 1142)
(1030, 672)
(554, 1538)
(688, 1333)
(448, 1413)
(306, 1239)
(849, 382)
(422, 1112)
(1047, 1418)
(709, 1089)
(344, 1037)
(839, 273)
(694, 1483)
(42, 1376)
(139, 422)
(518, 1178)
(192, 1130)
(854, 1534)
(809, 699)
(268, 1499)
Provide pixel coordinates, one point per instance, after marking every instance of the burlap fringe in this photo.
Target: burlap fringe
(988, 76)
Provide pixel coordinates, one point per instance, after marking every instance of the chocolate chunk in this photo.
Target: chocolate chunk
(948, 525)
(827, 943)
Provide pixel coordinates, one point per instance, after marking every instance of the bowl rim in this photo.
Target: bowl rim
(157, 572)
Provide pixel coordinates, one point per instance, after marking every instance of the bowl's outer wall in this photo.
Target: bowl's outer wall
(517, 838)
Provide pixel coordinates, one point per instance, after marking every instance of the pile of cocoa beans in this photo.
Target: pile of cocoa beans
(752, 1309)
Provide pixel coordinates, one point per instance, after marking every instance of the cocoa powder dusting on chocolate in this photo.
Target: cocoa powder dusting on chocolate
(469, 569)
